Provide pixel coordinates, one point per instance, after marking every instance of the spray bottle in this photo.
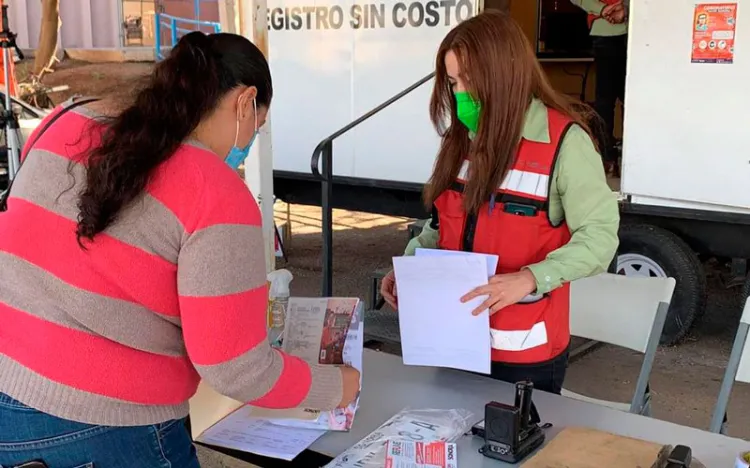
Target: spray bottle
(278, 300)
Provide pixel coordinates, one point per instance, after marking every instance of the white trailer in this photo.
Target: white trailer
(686, 156)
(686, 164)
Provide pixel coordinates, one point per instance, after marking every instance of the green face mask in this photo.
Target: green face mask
(467, 110)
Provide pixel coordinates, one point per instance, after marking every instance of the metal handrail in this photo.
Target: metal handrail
(176, 30)
(325, 175)
(187, 20)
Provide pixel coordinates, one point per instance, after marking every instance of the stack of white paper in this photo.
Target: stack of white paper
(437, 329)
(490, 259)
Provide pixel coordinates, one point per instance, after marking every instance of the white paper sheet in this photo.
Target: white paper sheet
(240, 431)
(490, 259)
(436, 328)
(491, 265)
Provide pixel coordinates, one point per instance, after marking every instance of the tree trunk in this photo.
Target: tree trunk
(45, 51)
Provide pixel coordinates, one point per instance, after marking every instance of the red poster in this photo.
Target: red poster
(713, 32)
(338, 317)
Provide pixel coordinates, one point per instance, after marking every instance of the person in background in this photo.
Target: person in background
(517, 176)
(609, 32)
(132, 267)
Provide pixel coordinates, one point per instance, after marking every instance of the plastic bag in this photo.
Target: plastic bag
(409, 424)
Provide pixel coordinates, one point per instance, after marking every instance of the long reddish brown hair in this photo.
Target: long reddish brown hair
(500, 68)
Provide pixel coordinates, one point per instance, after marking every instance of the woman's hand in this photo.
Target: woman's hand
(615, 13)
(388, 289)
(502, 291)
(350, 379)
(618, 16)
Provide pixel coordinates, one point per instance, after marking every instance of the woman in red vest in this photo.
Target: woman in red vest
(517, 176)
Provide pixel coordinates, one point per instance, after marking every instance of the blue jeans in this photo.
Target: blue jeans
(30, 435)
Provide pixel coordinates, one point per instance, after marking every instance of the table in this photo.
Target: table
(389, 386)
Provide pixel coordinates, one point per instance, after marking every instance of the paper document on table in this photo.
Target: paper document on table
(437, 329)
(240, 431)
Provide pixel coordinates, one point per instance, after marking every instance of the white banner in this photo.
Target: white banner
(334, 60)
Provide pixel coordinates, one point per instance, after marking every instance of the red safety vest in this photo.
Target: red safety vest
(524, 333)
(593, 18)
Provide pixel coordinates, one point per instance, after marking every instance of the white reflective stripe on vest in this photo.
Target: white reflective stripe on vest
(519, 340)
(529, 183)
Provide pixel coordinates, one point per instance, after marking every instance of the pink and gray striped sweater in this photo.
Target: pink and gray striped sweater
(121, 333)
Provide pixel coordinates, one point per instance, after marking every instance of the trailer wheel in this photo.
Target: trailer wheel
(649, 251)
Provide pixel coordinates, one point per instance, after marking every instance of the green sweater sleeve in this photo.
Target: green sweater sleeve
(590, 210)
(593, 7)
(427, 239)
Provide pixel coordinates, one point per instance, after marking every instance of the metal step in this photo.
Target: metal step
(382, 326)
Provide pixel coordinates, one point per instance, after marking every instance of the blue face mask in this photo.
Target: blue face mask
(238, 155)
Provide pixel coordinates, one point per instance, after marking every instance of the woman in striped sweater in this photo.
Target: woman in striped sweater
(132, 267)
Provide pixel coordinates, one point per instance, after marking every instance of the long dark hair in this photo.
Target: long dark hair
(182, 90)
(501, 69)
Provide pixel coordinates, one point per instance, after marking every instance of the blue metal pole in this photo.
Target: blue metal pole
(157, 37)
(173, 25)
(197, 8)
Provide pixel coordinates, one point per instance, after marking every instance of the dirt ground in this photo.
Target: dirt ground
(685, 379)
(93, 79)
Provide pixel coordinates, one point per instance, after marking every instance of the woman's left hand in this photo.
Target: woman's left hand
(503, 290)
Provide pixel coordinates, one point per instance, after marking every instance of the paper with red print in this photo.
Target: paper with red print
(412, 454)
(321, 331)
(714, 26)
